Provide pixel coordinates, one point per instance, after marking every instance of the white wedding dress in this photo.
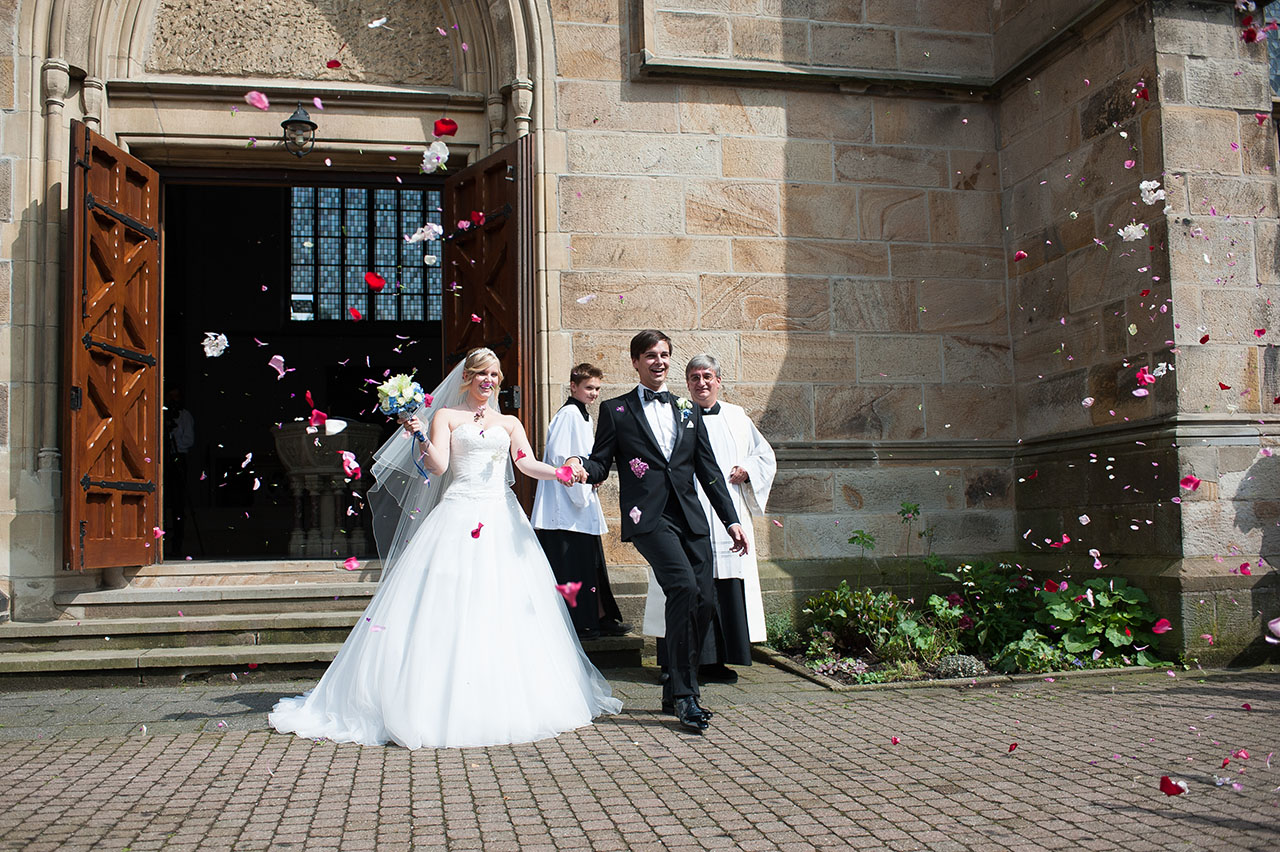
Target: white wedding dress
(467, 642)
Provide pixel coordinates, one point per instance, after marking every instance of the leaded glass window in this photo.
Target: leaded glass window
(337, 234)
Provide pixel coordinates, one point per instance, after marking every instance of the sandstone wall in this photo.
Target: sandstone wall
(8, 112)
(839, 253)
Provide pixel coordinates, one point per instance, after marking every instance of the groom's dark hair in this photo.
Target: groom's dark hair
(641, 342)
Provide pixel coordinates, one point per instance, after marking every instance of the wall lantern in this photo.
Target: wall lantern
(299, 133)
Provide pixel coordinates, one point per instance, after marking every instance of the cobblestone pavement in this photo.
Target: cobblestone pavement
(786, 765)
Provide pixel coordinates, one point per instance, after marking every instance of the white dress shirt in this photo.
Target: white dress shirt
(662, 420)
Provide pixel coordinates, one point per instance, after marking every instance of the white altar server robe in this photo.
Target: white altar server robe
(576, 508)
(737, 443)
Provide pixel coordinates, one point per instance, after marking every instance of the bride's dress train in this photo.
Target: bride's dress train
(467, 642)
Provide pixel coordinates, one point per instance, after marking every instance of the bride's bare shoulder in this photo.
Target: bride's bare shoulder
(450, 417)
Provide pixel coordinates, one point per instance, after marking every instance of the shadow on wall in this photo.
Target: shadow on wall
(1260, 492)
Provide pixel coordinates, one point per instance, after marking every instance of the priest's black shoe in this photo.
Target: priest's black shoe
(610, 627)
(717, 673)
(689, 715)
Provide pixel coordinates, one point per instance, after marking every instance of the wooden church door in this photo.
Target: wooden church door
(111, 439)
(489, 275)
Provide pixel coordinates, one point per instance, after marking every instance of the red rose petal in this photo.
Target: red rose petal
(1172, 788)
(355, 315)
(1204, 339)
(333, 63)
(1221, 386)
(475, 533)
(446, 127)
(1012, 746)
(374, 280)
(1019, 255)
(1161, 626)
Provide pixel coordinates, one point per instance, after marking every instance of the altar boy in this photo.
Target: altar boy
(570, 521)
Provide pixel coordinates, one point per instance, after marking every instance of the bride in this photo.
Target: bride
(467, 641)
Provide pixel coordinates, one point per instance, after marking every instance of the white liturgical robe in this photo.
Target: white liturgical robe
(576, 508)
(737, 443)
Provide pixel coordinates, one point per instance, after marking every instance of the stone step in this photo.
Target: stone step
(15, 666)
(181, 601)
(179, 632)
(251, 572)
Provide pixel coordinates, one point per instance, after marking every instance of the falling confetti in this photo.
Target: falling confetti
(257, 99)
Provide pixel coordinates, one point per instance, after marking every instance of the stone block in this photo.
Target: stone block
(873, 305)
(931, 124)
(810, 257)
(889, 213)
(734, 7)
(765, 303)
(1226, 244)
(4, 415)
(610, 351)
(814, 210)
(6, 190)
(954, 305)
(975, 532)
(691, 34)
(886, 165)
(1266, 251)
(1197, 29)
(731, 207)
(825, 115)
(8, 83)
(974, 360)
(801, 491)
(732, 111)
(782, 412)
(988, 488)
(1213, 82)
(874, 413)
(1257, 148)
(967, 57)
(591, 105)
(770, 40)
(891, 358)
(650, 254)
(588, 52)
(840, 11)
(834, 45)
(642, 154)
(665, 301)
(1052, 405)
(973, 16)
(964, 217)
(1232, 319)
(1200, 369)
(934, 261)
(776, 357)
(1213, 528)
(1200, 140)
(771, 159)
(884, 488)
(1023, 156)
(960, 412)
(6, 290)
(585, 11)
(627, 205)
(974, 170)
(1233, 196)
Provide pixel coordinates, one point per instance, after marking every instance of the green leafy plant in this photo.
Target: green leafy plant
(781, 631)
(1031, 653)
(864, 540)
(1098, 620)
(996, 602)
(909, 512)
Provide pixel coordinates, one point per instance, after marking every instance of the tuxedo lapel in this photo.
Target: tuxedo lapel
(679, 421)
(632, 402)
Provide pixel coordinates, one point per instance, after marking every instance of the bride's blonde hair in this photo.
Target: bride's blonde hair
(477, 360)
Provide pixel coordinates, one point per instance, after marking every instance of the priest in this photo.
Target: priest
(748, 465)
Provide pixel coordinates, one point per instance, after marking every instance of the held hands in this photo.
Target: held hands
(579, 472)
(737, 475)
(740, 545)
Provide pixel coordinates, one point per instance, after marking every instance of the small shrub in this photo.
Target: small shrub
(1098, 620)
(781, 631)
(1031, 653)
(996, 603)
(905, 670)
(960, 665)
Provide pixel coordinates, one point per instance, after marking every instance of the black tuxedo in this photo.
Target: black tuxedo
(671, 530)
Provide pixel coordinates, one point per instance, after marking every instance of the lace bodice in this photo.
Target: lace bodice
(478, 460)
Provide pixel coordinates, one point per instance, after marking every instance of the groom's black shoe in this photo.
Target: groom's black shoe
(689, 715)
(669, 708)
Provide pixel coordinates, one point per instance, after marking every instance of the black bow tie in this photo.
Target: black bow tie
(660, 396)
(715, 409)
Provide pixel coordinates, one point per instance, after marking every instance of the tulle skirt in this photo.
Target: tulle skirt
(466, 643)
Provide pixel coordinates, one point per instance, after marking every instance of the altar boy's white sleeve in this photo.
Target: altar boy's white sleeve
(569, 435)
(760, 464)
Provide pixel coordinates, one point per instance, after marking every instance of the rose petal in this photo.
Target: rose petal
(475, 533)
(569, 591)
(375, 281)
(257, 99)
(1172, 788)
(445, 127)
(1161, 626)
(351, 563)
(1019, 255)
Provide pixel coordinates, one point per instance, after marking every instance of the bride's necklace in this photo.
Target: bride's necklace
(479, 415)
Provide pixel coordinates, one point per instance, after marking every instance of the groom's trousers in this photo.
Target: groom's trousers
(682, 564)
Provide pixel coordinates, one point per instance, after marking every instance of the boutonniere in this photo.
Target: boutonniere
(685, 406)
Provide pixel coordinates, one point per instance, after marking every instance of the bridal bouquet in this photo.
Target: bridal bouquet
(401, 397)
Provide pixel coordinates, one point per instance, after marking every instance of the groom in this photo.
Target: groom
(660, 444)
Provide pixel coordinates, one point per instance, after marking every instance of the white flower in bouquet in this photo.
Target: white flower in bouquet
(214, 344)
(434, 157)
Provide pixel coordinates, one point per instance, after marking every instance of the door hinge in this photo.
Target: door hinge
(509, 397)
(76, 399)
